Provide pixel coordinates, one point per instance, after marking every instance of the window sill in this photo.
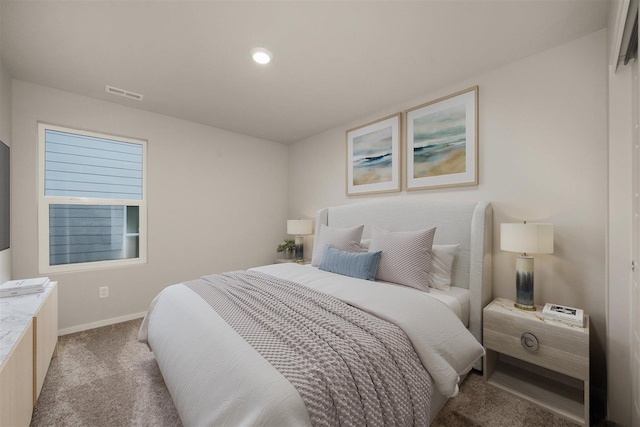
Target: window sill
(88, 266)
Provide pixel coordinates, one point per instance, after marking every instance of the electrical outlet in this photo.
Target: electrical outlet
(103, 292)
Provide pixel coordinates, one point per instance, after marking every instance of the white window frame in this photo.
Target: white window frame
(45, 201)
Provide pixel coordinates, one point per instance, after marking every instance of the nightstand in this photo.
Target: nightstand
(542, 361)
(285, 260)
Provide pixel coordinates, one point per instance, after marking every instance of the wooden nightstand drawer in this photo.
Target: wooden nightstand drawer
(546, 355)
(560, 347)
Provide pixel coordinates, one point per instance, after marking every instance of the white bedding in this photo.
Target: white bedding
(457, 299)
(216, 378)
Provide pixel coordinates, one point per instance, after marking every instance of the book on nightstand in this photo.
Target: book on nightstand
(23, 287)
(568, 315)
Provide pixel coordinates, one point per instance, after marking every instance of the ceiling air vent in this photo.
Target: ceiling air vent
(122, 92)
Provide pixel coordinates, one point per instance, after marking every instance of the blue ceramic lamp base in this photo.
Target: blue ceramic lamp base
(524, 283)
(299, 248)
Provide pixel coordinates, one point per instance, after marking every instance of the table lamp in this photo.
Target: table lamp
(526, 239)
(299, 227)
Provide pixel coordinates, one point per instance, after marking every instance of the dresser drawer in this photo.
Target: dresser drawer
(560, 347)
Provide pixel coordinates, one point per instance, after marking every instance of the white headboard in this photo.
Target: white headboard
(466, 223)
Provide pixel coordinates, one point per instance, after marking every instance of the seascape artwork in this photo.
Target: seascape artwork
(372, 157)
(440, 143)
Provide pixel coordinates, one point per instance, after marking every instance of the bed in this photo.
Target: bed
(216, 377)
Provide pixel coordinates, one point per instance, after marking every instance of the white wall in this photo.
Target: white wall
(217, 201)
(543, 157)
(5, 136)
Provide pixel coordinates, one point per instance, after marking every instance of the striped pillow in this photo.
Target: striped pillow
(362, 265)
(343, 239)
(406, 256)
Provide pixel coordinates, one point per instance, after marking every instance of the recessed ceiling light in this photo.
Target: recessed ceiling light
(261, 55)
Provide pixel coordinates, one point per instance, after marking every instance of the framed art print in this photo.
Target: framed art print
(373, 157)
(442, 142)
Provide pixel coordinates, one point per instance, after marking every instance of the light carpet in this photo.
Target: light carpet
(105, 377)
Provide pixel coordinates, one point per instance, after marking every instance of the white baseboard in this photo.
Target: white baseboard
(100, 323)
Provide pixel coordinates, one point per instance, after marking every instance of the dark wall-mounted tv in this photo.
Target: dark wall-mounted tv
(4, 196)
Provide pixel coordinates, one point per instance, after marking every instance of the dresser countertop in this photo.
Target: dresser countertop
(15, 313)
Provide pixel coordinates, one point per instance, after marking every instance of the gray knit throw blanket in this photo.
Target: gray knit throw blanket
(350, 367)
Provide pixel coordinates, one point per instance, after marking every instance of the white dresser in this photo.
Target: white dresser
(28, 339)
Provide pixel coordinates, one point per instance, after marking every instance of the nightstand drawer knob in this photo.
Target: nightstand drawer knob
(529, 341)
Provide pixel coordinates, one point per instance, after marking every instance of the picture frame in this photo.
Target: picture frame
(441, 146)
(374, 157)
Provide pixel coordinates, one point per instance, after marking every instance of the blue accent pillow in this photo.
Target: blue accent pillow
(362, 265)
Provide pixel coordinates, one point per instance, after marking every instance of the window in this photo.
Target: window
(91, 202)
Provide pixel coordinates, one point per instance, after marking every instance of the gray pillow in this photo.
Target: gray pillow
(362, 265)
(343, 239)
(406, 256)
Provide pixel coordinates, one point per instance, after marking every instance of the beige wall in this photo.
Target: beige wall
(5, 136)
(543, 157)
(217, 201)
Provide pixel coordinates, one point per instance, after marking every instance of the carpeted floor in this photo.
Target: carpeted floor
(104, 377)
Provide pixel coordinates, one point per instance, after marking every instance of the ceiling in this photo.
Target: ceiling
(333, 61)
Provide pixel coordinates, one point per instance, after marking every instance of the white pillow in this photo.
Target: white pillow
(441, 266)
(343, 239)
(406, 256)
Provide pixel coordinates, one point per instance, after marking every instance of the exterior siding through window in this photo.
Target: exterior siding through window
(91, 203)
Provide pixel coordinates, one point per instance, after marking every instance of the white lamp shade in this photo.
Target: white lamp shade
(299, 227)
(533, 238)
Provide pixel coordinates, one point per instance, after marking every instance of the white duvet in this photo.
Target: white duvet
(216, 378)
